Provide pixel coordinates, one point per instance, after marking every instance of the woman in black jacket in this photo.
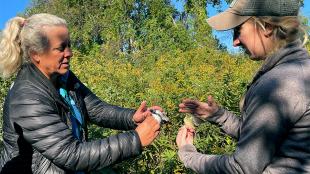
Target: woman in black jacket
(47, 108)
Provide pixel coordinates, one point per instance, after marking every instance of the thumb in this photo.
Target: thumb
(190, 137)
(142, 107)
(210, 100)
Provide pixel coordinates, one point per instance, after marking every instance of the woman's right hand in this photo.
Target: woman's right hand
(201, 109)
(185, 136)
(148, 130)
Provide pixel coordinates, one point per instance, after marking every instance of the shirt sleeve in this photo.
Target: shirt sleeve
(36, 120)
(228, 122)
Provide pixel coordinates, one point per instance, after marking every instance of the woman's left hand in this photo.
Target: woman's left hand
(143, 111)
(185, 136)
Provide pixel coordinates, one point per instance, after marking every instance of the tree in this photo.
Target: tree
(119, 26)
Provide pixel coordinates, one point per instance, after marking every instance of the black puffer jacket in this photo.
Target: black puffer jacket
(36, 135)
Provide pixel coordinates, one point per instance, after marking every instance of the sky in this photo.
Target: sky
(10, 8)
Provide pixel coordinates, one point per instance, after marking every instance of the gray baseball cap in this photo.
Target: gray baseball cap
(241, 10)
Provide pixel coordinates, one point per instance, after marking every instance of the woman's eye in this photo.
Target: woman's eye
(69, 44)
(237, 31)
(62, 48)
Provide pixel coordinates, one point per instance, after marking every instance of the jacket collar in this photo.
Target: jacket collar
(38, 78)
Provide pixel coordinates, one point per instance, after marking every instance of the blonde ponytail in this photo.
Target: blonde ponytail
(10, 47)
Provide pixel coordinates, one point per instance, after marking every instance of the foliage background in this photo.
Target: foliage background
(135, 50)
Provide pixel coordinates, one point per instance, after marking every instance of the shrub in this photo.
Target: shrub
(164, 80)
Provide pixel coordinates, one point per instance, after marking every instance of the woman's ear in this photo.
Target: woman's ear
(268, 30)
(35, 57)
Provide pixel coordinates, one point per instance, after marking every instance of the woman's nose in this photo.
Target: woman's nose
(236, 42)
(68, 53)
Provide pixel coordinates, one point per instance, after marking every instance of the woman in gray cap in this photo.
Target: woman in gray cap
(273, 132)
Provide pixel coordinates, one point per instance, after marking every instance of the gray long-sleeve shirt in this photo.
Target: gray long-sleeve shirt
(273, 131)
